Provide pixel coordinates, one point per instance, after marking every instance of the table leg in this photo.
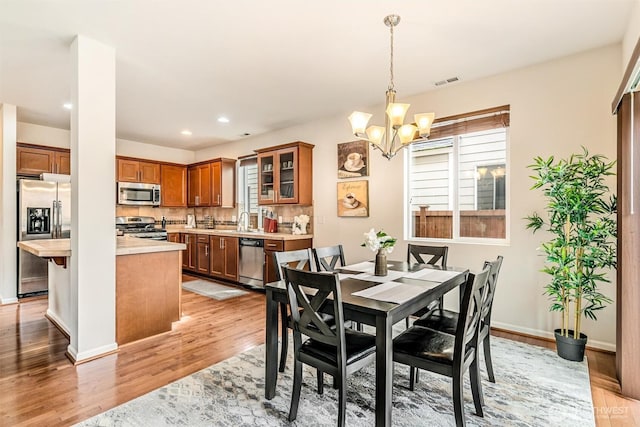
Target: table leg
(271, 347)
(384, 371)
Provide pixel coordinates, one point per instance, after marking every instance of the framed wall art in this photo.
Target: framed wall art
(353, 198)
(353, 159)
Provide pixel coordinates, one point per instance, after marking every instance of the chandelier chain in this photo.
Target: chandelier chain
(391, 84)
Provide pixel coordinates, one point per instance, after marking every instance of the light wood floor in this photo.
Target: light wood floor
(39, 386)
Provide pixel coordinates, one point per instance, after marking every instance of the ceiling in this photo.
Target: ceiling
(268, 65)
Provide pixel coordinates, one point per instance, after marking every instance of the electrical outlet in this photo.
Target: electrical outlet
(233, 218)
(280, 219)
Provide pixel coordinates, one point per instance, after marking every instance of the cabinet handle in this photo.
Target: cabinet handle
(271, 244)
(206, 250)
(197, 200)
(221, 243)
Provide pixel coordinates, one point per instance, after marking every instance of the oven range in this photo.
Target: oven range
(140, 226)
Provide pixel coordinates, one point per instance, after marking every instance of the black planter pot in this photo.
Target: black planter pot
(570, 348)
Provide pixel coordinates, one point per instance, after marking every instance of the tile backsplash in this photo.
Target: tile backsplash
(209, 217)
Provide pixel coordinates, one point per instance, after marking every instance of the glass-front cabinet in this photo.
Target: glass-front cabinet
(285, 174)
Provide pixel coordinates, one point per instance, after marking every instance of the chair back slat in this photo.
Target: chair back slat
(328, 258)
(437, 254)
(301, 259)
(470, 311)
(490, 289)
(306, 305)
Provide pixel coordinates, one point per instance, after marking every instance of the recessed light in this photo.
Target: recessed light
(68, 105)
(223, 119)
(186, 132)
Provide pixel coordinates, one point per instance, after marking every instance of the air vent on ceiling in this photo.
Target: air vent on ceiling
(446, 81)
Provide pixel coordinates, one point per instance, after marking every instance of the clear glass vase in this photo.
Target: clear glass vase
(381, 263)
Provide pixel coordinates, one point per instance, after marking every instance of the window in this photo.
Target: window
(457, 182)
(248, 189)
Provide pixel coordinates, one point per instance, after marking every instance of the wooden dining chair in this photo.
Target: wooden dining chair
(330, 348)
(447, 320)
(301, 259)
(329, 258)
(434, 255)
(446, 354)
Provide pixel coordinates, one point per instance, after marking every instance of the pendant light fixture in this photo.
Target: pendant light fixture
(395, 135)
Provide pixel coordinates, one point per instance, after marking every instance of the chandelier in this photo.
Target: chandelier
(395, 135)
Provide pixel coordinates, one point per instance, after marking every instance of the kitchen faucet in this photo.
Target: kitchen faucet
(242, 226)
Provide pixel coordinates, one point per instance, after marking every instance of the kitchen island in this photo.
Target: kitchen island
(148, 285)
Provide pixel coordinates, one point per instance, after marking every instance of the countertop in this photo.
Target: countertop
(50, 248)
(234, 233)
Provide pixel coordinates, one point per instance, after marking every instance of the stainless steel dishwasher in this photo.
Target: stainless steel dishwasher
(251, 262)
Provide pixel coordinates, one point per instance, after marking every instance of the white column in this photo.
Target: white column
(8, 201)
(93, 242)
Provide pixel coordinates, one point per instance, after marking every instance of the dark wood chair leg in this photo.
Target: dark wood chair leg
(295, 395)
(320, 381)
(412, 378)
(476, 386)
(284, 336)
(458, 398)
(486, 343)
(342, 402)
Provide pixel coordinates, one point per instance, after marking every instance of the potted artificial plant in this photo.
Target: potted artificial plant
(580, 215)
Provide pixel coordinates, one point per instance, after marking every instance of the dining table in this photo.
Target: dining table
(378, 301)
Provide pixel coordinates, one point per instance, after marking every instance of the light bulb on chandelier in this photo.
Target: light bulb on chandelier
(395, 135)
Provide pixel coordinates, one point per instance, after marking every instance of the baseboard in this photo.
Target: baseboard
(7, 301)
(87, 356)
(58, 323)
(549, 336)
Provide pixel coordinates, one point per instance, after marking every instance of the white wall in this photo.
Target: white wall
(43, 135)
(141, 150)
(54, 137)
(631, 36)
(555, 108)
(8, 202)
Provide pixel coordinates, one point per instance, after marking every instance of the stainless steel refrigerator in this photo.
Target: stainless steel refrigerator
(44, 212)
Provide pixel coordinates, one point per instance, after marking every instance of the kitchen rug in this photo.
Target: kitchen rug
(212, 290)
(534, 387)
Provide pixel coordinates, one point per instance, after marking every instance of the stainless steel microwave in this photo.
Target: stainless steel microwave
(138, 194)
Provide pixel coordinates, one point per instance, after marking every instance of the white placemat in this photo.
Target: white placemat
(391, 292)
(365, 267)
(391, 275)
(432, 275)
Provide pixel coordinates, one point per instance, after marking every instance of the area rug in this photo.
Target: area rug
(212, 290)
(534, 387)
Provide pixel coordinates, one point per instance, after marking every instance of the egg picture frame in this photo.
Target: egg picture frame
(353, 199)
(353, 159)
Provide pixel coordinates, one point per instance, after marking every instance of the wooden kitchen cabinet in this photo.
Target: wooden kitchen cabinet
(272, 246)
(33, 160)
(173, 186)
(285, 174)
(212, 183)
(199, 185)
(224, 257)
(189, 255)
(223, 183)
(202, 254)
(135, 170)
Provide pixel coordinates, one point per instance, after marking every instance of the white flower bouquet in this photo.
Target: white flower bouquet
(378, 240)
